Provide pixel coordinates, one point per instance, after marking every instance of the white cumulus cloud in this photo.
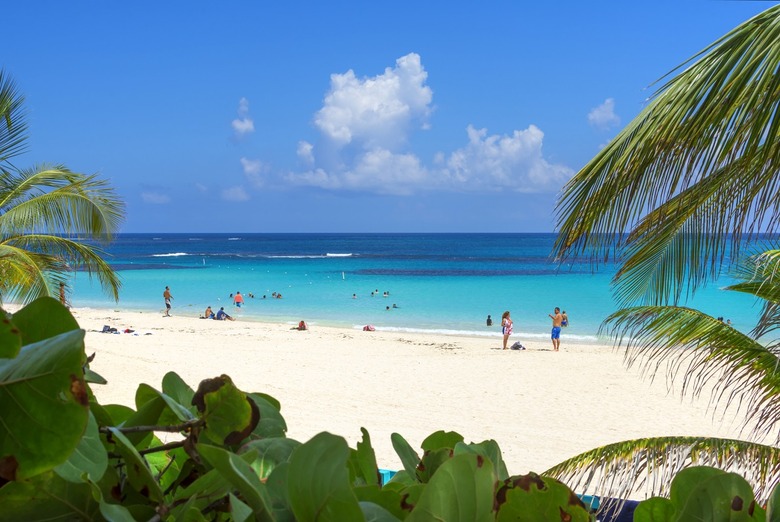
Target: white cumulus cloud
(366, 125)
(603, 116)
(244, 123)
(376, 111)
(235, 193)
(493, 162)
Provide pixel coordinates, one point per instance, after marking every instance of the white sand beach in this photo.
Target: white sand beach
(540, 406)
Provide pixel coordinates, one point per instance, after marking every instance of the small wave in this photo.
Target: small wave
(173, 254)
(295, 257)
(195, 239)
(234, 239)
(338, 255)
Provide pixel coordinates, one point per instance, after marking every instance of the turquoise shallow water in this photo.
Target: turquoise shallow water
(444, 283)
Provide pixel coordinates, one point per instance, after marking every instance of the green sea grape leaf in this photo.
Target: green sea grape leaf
(173, 413)
(229, 414)
(654, 509)
(388, 498)
(773, 505)
(489, 449)
(93, 377)
(112, 512)
(44, 405)
(687, 480)
(240, 475)
(47, 496)
(440, 440)
(726, 496)
(139, 473)
(42, 319)
(211, 485)
(147, 414)
(271, 422)
(10, 336)
(406, 453)
(319, 487)
(376, 513)
(362, 462)
(239, 511)
(174, 387)
(270, 453)
(431, 461)
(111, 414)
(270, 400)
(462, 490)
(276, 484)
(533, 497)
(89, 457)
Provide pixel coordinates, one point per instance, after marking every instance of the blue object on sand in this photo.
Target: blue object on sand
(386, 475)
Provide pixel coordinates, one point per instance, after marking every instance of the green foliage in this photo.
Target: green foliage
(68, 457)
(703, 493)
(45, 213)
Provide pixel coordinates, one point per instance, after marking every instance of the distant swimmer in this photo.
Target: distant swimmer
(489, 321)
(557, 320)
(238, 300)
(565, 321)
(354, 296)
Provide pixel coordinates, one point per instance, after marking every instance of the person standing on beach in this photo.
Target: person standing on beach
(557, 321)
(506, 327)
(167, 297)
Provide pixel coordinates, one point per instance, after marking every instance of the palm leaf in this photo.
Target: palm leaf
(70, 255)
(760, 276)
(707, 353)
(26, 275)
(718, 115)
(645, 467)
(54, 199)
(13, 128)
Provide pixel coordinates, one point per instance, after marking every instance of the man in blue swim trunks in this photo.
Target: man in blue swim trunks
(557, 320)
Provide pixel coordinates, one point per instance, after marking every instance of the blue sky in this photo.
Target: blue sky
(338, 116)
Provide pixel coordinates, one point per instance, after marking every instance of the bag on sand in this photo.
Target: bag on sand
(369, 328)
(518, 346)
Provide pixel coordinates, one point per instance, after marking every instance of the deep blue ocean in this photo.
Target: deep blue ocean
(445, 283)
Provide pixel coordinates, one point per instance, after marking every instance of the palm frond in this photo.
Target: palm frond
(760, 276)
(645, 467)
(13, 128)
(71, 255)
(707, 353)
(26, 275)
(682, 239)
(54, 199)
(721, 113)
